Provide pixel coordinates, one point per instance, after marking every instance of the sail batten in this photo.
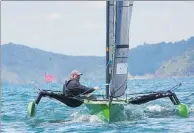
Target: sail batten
(120, 58)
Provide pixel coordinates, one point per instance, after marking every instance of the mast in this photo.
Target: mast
(107, 49)
(110, 40)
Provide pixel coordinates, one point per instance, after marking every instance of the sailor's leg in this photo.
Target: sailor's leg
(42, 94)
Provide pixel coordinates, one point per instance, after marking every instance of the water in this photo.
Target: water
(54, 117)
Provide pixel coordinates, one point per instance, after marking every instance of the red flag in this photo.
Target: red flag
(49, 78)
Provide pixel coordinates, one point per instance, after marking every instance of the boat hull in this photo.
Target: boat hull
(107, 111)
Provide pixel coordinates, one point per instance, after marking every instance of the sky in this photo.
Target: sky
(79, 27)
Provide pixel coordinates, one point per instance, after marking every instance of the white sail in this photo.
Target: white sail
(120, 57)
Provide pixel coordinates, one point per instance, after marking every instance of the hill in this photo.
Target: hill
(22, 62)
(146, 59)
(178, 66)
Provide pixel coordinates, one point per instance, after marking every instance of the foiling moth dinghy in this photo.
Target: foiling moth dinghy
(108, 110)
(117, 47)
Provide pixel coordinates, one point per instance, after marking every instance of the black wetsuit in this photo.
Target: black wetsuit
(74, 88)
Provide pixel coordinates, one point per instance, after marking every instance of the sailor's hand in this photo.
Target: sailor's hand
(96, 88)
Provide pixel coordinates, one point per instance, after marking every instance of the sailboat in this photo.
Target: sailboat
(117, 48)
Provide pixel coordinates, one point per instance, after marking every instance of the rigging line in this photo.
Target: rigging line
(36, 86)
(83, 93)
(109, 62)
(120, 87)
(175, 87)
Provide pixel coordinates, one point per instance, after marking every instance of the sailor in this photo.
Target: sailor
(73, 88)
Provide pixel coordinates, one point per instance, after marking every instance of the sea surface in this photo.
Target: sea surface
(55, 117)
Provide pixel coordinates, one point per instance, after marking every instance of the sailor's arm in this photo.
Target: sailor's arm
(85, 90)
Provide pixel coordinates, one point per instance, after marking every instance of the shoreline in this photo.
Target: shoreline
(149, 76)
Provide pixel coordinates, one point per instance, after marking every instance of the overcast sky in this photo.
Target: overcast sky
(78, 27)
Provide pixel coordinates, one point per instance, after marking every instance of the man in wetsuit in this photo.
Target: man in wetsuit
(73, 88)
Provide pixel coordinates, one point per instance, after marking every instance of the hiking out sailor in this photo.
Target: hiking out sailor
(73, 88)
